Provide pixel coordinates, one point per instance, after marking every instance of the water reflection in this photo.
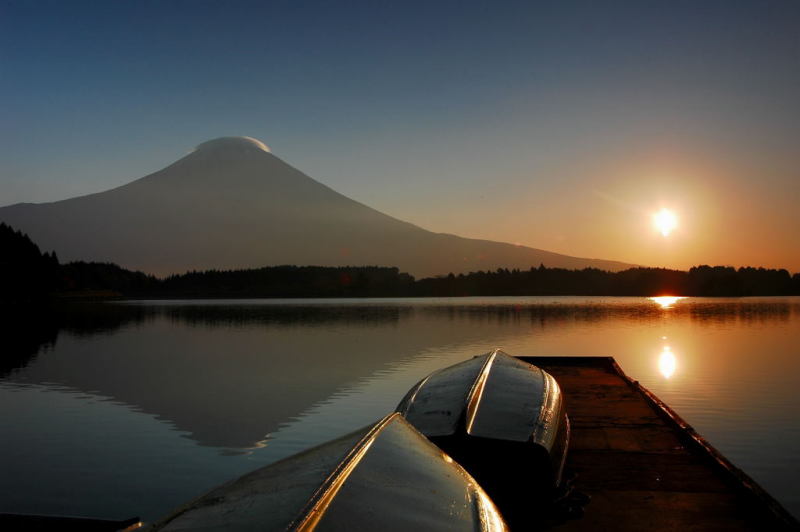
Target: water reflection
(28, 331)
(220, 376)
(228, 374)
(667, 363)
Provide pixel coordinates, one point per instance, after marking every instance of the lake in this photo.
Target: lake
(132, 408)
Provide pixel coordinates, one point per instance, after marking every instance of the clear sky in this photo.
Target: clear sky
(560, 125)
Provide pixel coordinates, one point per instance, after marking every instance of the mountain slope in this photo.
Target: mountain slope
(232, 204)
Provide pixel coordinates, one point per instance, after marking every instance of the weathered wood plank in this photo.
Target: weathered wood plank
(644, 467)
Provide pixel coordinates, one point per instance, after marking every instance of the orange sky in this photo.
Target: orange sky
(728, 214)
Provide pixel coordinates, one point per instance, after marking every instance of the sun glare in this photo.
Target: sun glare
(665, 221)
(665, 301)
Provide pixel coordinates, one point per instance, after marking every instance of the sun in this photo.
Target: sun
(665, 221)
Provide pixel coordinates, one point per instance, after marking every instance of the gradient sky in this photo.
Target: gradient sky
(560, 125)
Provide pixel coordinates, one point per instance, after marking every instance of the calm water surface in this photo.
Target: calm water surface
(121, 409)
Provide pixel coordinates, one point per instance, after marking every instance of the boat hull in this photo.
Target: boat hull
(384, 477)
(504, 421)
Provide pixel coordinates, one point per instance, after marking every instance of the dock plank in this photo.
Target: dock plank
(643, 466)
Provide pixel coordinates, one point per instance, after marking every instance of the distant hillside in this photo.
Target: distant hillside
(26, 274)
(231, 204)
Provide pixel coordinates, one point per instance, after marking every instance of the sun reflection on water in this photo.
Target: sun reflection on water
(666, 301)
(667, 363)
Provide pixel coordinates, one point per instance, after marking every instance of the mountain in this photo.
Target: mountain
(231, 203)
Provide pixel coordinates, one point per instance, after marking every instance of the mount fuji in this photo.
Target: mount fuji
(232, 204)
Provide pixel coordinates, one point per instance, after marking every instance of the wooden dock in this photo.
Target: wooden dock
(644, 467)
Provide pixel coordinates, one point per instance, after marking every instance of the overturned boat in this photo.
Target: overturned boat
(383, 477)
(503, 420)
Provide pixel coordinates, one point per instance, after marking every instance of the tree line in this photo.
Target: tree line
(28, 274)
(698, 281)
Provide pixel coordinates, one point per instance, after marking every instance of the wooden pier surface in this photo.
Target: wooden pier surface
(643, 466)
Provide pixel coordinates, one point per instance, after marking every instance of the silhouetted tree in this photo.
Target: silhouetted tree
(26, 274)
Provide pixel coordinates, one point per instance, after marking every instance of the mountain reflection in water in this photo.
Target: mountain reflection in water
(269, 378)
